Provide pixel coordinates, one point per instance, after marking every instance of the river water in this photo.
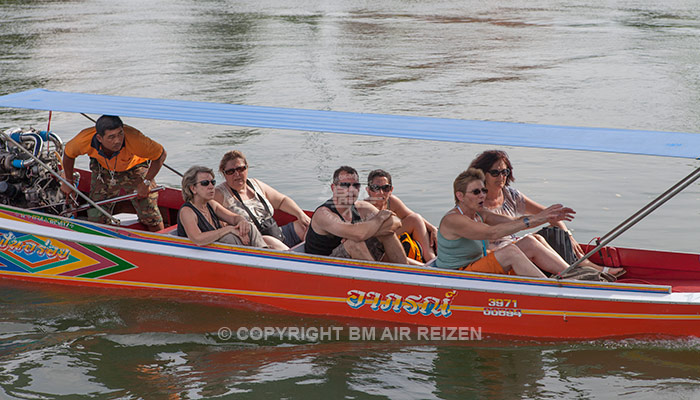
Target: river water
(619, 64)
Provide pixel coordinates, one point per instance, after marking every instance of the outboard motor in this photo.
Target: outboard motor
(24, 182)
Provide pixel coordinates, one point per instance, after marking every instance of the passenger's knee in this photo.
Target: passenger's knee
(353, 247)
(539, 238)
(510, 253)
(412, 219)
(395, 223)
(529, 241)
(511, 248)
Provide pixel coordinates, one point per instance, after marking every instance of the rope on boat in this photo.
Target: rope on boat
(638, 216)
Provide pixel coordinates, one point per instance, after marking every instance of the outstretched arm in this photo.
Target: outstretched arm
(533, 207)
(497, 225)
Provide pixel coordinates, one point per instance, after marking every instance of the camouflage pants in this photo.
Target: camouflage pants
(102, 188)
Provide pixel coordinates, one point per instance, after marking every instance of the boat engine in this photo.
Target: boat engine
(24, 182)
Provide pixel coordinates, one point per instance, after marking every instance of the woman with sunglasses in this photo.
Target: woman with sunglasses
(506, 200)
(205, 221)
(380, 190)
(465, 230)
(256, 201)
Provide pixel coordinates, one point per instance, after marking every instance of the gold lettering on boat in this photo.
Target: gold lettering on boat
(411, 304)
(30, 246)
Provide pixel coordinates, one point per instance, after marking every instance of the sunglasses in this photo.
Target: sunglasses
(233, 170)
(206, 182)
(496, 172)
(476, 192)
(383, 188)
(346, 185)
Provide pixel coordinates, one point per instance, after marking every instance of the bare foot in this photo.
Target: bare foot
(616, 272)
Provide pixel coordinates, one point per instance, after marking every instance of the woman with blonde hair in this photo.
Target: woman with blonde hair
(204, 221)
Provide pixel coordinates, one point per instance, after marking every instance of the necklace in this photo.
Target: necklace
(205, 212)
(112, 180)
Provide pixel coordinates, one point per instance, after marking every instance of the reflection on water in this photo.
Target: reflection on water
(624, 64)
(127, 347)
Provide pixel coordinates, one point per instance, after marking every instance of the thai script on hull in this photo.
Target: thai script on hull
(412, 304)
(30, 246)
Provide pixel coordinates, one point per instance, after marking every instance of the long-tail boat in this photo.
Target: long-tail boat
(659, 295)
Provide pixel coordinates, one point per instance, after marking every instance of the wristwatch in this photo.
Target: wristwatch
(526, 221)
(147, 182)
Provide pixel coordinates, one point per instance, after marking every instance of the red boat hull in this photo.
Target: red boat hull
(414, 296)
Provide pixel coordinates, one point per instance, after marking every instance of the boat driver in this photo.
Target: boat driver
(119, 159)
(347, 228)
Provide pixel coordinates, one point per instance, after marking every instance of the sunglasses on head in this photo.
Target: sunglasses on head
(356, 185)
(233, 170)
(476, 192)
(206, 182)
(383, 188)
(496, 172)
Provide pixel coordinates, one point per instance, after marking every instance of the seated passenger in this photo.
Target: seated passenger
(256, 201)
(204, 221)
(504, 199)
(380, 189)
(465, 230)
(347, 228)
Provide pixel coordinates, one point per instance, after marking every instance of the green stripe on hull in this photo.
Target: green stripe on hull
(121, 265)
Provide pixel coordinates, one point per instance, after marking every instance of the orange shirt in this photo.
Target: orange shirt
(137, 149)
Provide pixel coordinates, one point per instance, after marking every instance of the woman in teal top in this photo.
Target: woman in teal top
(465, 230)
(459, 252)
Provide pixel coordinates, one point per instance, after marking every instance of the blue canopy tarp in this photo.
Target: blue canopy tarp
(669, 144)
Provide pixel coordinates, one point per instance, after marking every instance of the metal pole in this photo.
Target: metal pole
(113, 200)
(60, 178)
(170, 168)
(638, 216)
(643, 209)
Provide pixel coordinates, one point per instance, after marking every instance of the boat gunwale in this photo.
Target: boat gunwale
(441, 278)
